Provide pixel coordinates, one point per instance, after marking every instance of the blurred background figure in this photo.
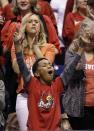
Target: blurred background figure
(73, 21)
(44, 8)
(59, 9)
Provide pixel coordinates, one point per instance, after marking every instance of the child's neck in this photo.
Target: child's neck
(45, 83)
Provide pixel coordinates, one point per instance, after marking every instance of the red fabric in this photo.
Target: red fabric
(69, 8)
(45, 9)
(89, 83)
(7, 34)
(2, 60)
(8, 13)
(10, 27)
(41, 116)
(72, 23)
(52, 35)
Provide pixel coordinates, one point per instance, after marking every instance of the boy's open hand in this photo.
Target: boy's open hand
(18, 37)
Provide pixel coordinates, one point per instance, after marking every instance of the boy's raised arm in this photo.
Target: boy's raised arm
(22, 66)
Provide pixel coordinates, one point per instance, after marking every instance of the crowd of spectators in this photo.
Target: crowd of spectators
(46, 65)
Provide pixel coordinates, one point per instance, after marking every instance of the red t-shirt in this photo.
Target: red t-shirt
(71, 26)
(44, 105)
(89, 83)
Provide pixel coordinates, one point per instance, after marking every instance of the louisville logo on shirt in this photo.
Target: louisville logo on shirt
(45, 103)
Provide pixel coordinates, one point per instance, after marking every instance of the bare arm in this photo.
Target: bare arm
(37, 51)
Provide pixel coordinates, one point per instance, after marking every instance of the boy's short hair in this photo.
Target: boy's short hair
(35, 65)
(90, 2)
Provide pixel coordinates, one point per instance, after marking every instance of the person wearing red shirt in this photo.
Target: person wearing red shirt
(45, 9)
(73, 21)
(24, 7)
(44, 91)
(5, 15)
(69, 8)
(6, 35)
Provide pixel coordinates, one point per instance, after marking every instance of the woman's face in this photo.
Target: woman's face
(33, 25)
(23, 5)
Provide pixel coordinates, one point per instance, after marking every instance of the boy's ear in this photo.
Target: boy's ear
(36, 74)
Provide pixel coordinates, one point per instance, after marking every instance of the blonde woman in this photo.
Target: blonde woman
(33, 39)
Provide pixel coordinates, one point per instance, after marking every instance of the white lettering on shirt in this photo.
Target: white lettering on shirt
(89, 67)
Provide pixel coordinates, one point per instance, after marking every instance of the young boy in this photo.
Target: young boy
(44, 91)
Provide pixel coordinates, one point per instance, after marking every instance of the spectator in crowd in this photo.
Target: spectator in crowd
(45, 9)
(21, 8)
(78, 100)
(73, 20)
(44, 91)
(5, 10)
(20, 11)
(34, 46)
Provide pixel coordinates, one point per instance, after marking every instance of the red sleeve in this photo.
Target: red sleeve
(59, 85)
(8, 13)
(69, 8)
(7, 34)
(52, 35)
(69, 27)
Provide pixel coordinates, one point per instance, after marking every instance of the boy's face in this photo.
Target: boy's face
(45, 71)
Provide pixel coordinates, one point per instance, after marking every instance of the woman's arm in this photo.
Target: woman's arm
(70, 67)
(37, 51)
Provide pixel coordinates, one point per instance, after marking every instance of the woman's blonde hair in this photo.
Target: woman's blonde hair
(41, 36)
